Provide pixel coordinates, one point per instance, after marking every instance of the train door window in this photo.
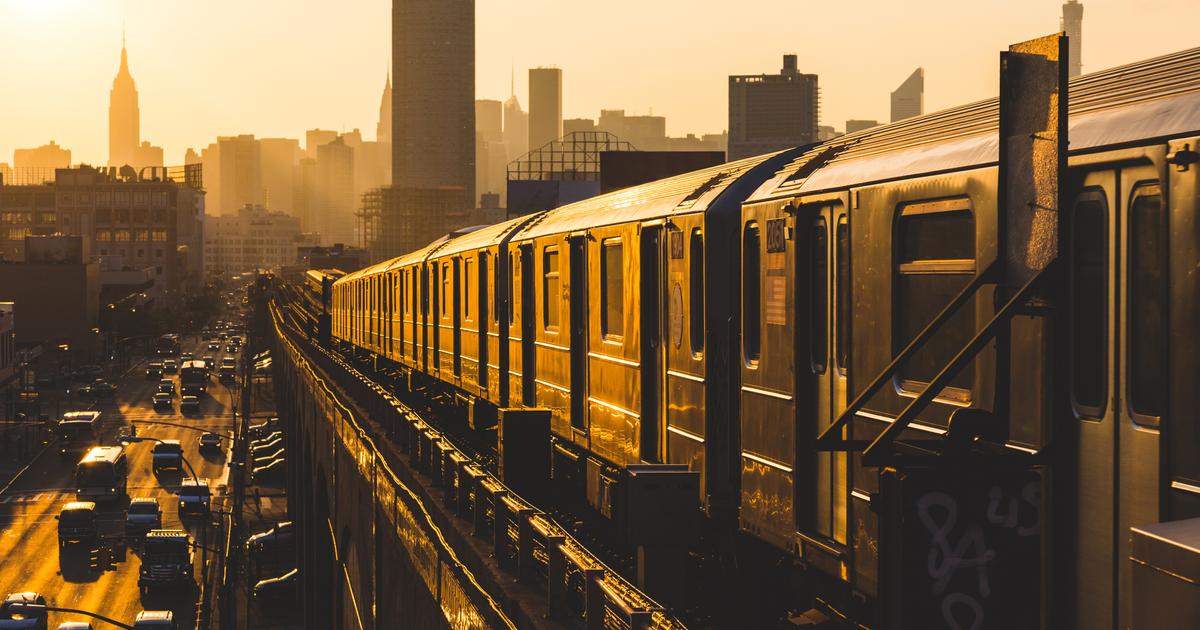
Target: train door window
(1148, 303)
(550, 288)
(1089, 279)
(818, 299)
(483, 288)
(935, 261)
(751, 294)
(612, 289)
(513, 298)
(468, 267)
(842, 288)
(447, 295)
(696, 291)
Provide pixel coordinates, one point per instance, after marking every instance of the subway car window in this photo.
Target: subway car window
(1089, 276)
(1148, 304)
(696, 291)
(751, 292)
(612, 288)
(842, 287)
(447, 278)
(513, 269)
(550, 290)
(818, 299)
(935, 261)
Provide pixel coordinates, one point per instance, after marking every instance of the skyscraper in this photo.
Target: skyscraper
(516, 128)
(909, 99)
(433, 103)
(770, 112)
(383, 130)
(124, 133)
(1072, 23)
(545, 106)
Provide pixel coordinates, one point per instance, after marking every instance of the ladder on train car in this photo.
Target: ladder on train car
(1033, 112)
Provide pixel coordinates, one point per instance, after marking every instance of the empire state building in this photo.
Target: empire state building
(123, 116)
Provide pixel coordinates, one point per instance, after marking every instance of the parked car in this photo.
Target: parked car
(278, 589)
(189, 404)
(163, 401)
(12, 618)
(155, 620)
(167, 455)
(167, 386)
(210, 441)
(99, 388)
(277, 539)
(270, 473)
(87, 373)
(143, 515)
(194, 498)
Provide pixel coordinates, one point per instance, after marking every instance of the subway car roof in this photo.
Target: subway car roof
(698, 191)
(1156, 98)
(483, 237)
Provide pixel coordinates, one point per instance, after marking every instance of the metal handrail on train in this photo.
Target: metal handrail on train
(470, 491)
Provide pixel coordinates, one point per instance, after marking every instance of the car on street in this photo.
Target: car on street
(185, 357)
(167, 386)
(214, 346)
(231, 348)
(11, 618)
(155, 620)
(194, 498)
(210, 441)
(170, 366)
(210, 363)
(277, 539)
(189, 404)
(75, 625)
(163, 401)
(77, 524)
(153, 370)
(167, 455)
(87, 373)
(99, 388)
(143, 515)
(278, 589)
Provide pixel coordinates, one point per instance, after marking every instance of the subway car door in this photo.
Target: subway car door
(825, 278)
(577, 292)
(650, 313)
(1118, 373)
(528, 332)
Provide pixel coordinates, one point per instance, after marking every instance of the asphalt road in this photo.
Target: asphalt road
(104, 580)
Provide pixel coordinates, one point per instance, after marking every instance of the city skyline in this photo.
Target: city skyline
(61, 92)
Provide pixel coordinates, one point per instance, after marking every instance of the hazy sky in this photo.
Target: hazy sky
(277, 67)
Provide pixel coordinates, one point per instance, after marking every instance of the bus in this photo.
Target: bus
(193, 378)
(167, 345)
(78, 432)
(103, 473)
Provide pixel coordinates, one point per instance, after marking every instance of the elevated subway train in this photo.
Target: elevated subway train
(745, 321)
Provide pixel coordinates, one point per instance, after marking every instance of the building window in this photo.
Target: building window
(1149, 299)
(159, 235)
(47, 217)
(751, 294)
(550, 289)
(103, 235)
(158, 253)
(121, 235)
(818, 299)
(141, 235)
(696, 291)
(935, 250)
(103, 215)
(612, 288)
